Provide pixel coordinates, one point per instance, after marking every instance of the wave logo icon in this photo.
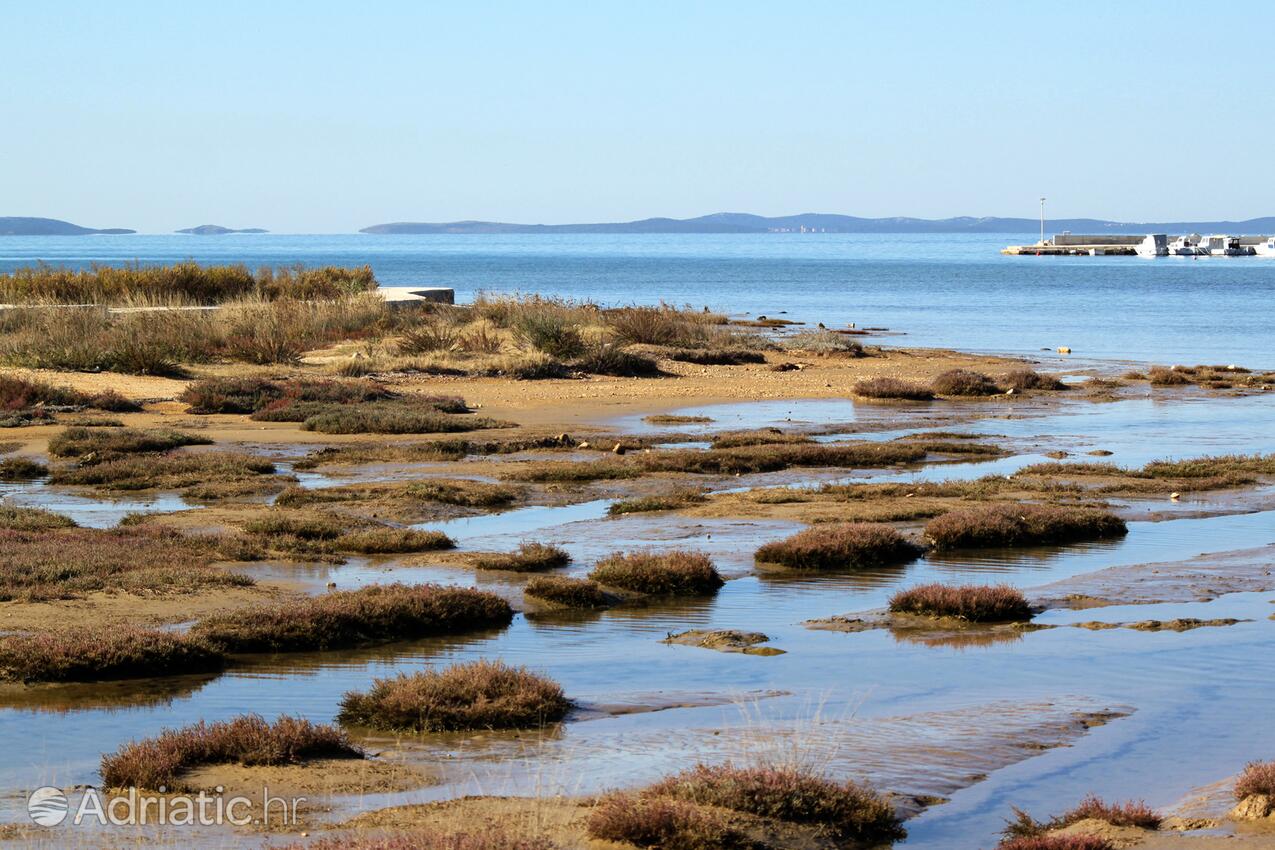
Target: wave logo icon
(47, 806)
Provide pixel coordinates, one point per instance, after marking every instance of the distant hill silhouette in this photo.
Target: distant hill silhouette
(747, 223)
(23, 226)
(217, 230)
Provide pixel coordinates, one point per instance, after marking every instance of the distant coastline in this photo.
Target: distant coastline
(28, 226)
(828, 223)
(742, 223)
(218, 230)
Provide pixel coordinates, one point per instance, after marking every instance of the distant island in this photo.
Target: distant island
(829, 223)
(25, 226)
(217, 230)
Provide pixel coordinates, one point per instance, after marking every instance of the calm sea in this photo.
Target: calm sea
(938, 289)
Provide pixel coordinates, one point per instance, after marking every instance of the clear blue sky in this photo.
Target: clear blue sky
(326, 117)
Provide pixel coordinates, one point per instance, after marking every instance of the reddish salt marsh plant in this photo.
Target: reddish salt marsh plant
(86, 655)
(568, 592)
(248, 740)
(485, 838)
(1258, 778)
(849, 810)
(66, 563)
(664, 823)
(1131, 813)
(1056, 842)
(14, 518)
(368, 616)
(893, 388)
(1021, 380)
(475, 695)
(853, 545)
(1021, 525)
(674, 573)
(528, 558)
(973, 602)
(964, 382)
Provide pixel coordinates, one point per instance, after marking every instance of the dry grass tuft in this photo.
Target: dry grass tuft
(854, 545)
(476, 695)
(389, 541)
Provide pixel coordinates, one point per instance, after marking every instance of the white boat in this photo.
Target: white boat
(1155, 245)
(1221, 245)
(1185, 246)
(1265, 248)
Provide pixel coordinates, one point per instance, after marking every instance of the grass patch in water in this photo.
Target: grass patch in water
(388, 541)
(1021, 525)
(854, 545)
(676, 573)
(463, 697)
(569, 472)
(758, 437)
(21, 469)
(666, 502)
(569, 592)
(468, 494)
(351, 618)
(973, 602)
(247, 740)
(88, 655)
(672, 419)
(395, 417)
(172, 472)
(79, 441)
(528, 558)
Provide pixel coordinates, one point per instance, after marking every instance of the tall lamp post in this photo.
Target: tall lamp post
(1042, 221)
